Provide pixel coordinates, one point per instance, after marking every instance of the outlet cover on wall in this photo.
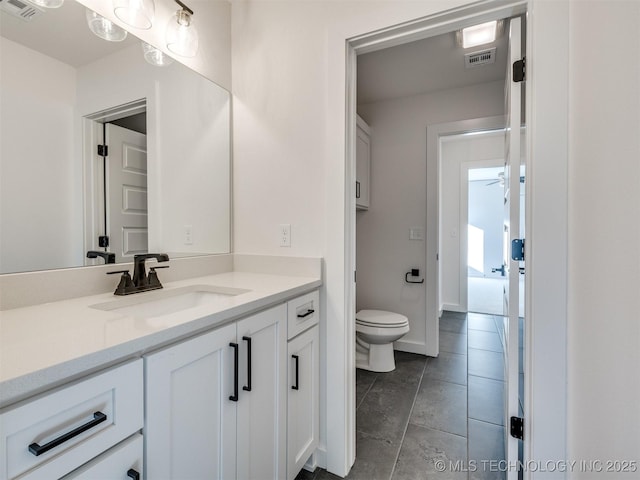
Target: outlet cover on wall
(285, 234)
(188, 234)
(416, 233)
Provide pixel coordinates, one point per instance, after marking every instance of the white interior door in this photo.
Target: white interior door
(513, 93)
(126, 192)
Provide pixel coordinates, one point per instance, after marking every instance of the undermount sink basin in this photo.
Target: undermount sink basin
(164, 302)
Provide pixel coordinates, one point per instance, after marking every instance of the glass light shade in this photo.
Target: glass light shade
(479, 34)
(104, 28)
(181, 35)
(135, 13)
(155, 57)
(48, 3)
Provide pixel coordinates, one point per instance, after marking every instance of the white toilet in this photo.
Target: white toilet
(376, 330)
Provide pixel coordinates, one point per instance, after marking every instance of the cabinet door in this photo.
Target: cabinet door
(262, 398)
(303, 397)
(363, 164)
(122, 462)
(190, 430)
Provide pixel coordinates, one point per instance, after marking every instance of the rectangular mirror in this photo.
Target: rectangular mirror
(164, 184)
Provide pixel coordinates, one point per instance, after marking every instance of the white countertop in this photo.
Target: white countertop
(43, 346)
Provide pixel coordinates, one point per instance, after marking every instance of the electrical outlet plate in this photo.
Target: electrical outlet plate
(285, 235)
(188, 234)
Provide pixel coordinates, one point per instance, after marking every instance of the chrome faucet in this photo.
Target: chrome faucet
(141, 282)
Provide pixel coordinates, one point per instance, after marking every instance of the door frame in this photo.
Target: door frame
(94, 193)
(434, 132)
(546, 99)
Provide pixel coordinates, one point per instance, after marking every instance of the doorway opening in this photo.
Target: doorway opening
(424, 338)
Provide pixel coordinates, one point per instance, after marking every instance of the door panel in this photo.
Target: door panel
(126, 192)
(513, 93)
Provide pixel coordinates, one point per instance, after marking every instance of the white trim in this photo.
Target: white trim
(434, 274)
(453, 307)
(410, 346)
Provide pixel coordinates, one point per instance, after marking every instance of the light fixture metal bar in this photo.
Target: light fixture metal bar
(184, 7)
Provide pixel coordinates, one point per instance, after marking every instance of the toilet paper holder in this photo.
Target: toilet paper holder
(415, 272)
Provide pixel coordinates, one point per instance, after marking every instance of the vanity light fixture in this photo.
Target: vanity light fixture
(104, 28)
(479, 34)
(181, 34)
(155, 56)
(135, 13)
(48, 3)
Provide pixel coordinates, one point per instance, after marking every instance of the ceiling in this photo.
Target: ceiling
(61, 33)
(425, 66)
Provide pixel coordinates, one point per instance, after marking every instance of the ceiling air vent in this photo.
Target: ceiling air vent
(20, 9)
(483, 57)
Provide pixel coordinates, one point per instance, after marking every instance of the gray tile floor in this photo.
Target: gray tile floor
(433, 412)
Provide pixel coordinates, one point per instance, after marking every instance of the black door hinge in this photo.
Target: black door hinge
(517, 427)
(517, 249)
(103, 150)
(519, 70)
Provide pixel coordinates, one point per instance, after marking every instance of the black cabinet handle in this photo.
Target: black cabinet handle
(247, 387)
(98, 417)
(133, 474)
(309, 312)
(296, 358)
(357, 189)
(234, 397)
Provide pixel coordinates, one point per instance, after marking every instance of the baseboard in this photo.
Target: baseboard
(410, 347)
(319, 458)
(451, 307)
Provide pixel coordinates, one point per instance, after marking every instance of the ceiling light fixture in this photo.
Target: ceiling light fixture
(135, 13)
(479, 34)
(104, 28)
(48, 3)
(155, 56)
(181, 34)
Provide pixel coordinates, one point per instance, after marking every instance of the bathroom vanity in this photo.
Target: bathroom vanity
(222, 382)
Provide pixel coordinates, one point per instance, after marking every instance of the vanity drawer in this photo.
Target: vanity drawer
(122, 461)
(302, 312)
(58, 432)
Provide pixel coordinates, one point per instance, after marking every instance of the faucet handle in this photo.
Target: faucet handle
(126, 284)
(154, 281)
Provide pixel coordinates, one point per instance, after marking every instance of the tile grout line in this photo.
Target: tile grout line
(404, 433)
(367, 392)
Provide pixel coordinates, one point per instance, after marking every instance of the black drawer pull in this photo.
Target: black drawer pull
(234, 397)
(247, 387)
(133, 474)
(98, 417)
(295, 387)
(309, 312)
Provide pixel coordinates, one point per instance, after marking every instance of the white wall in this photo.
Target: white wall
(289, 145)
(604, 229)
(213, 21)
(399, 195)
(455, 151)
(41, 208)
(486, 212)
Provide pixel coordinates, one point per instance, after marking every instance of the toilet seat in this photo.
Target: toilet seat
(380, 319)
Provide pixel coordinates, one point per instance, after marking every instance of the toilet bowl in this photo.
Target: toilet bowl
(376, 330)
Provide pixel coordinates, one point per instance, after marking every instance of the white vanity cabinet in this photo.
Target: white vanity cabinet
(303, 416)
(363, 163)
(56, 433)
(215, 404)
